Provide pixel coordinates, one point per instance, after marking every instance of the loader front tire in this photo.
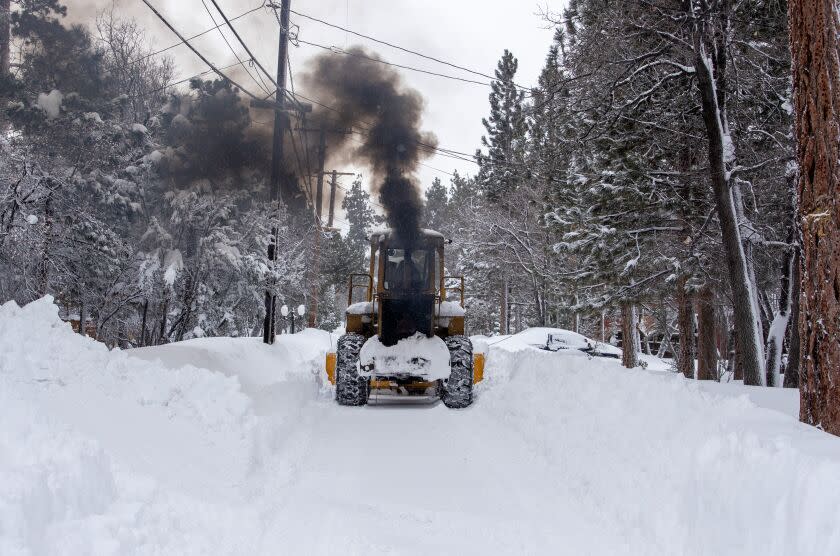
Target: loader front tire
(457, 391)
(350, 388)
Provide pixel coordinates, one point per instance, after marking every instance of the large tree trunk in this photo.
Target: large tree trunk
(630, 342)
(685, 325)
(706, 348)
(814, 36)
(721, 152)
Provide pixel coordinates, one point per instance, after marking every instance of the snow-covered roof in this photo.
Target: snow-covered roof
(448, 309)
(425, 232)
(362, 308)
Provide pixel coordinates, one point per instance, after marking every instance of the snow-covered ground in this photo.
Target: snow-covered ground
(227, 446)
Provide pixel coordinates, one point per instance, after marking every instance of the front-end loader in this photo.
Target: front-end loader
(405, 339)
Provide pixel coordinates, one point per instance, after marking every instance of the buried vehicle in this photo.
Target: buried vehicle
(405, 340)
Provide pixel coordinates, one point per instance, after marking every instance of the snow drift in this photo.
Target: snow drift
(104, 453)
(227, 446)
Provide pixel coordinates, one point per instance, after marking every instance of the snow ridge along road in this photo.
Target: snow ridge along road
(228, 446)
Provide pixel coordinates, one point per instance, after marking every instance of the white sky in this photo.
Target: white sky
(471, 33)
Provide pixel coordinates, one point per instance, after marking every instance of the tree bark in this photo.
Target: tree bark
(779, 326)
(792, 369)
(685, 325)
(629, 336)
(814, 36)
(737, 359)
(163, 317)
(720, 153)
(143, 323)
(82, 316)
(503, 312)
(44, 270)
(706, 348)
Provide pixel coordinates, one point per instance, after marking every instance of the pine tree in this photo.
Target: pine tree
(361, 218)
(501, 168)
(436, 211)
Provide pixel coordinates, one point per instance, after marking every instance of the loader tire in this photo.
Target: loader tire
(457, 391)
(350, 388)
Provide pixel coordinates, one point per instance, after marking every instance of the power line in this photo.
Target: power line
(366, 126)
(170, 47)
(458, 155)
(403, 49)
(300, 127)
(197, 53)
(371, 201)
(235, 55)
(245, 46)
(174, 83)
(437, 169)
(337, 50)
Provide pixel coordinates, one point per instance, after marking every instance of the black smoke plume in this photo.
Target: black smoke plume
(370, 97)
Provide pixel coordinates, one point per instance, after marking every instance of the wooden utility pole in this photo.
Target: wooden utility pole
(277, 165)
(333, 186)
(319, 193)
(315, 269)
(314, 291)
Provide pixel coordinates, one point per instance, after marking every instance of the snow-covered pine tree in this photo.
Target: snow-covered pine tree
(361, 219)
(436, 210)
(502, 166)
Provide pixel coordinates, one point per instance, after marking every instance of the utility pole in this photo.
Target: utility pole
(333, 186)
(319, 193)
(276, 166)
(315, 269)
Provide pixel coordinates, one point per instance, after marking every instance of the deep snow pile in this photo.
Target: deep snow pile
(104, 453)
(227, 446)
(672, 468)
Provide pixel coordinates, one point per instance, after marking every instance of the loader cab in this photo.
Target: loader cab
(405, 291)
(406, 284)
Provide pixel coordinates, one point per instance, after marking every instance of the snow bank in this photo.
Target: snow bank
(102, 453)
(673, 469)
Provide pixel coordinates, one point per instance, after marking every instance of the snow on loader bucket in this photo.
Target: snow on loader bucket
(405, 340)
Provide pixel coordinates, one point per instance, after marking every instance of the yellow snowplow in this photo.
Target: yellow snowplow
(405, 339)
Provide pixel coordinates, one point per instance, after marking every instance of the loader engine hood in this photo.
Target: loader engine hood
(417, 356)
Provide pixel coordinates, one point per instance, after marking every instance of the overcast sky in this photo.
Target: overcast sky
(471, 33)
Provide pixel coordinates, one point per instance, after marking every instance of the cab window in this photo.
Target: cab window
(408, 269)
